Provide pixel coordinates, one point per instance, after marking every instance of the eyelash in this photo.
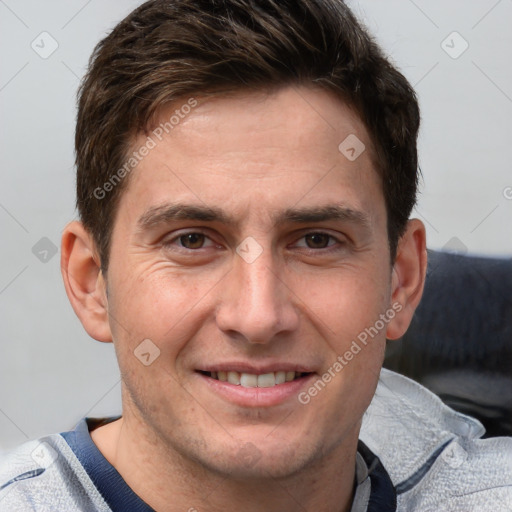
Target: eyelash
(329, 248)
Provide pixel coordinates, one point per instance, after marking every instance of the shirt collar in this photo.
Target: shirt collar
(374, 491)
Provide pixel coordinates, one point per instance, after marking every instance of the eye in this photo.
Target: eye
(317, 240)
(192, 240)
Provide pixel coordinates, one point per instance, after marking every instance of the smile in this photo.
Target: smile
(249, 380)
(247, 385)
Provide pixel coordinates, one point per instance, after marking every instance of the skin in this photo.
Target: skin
(180, 445)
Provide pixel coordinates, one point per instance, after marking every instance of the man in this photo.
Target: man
(245, 175)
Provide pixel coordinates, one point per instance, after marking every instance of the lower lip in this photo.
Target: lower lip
(257, 397)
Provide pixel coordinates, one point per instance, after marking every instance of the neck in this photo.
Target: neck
(167, 481)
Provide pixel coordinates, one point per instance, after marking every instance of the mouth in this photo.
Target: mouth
(251, 380)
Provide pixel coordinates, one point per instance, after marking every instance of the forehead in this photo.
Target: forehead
(259, 151)
(300, 118)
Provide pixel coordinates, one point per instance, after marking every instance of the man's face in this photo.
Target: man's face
(248, 242)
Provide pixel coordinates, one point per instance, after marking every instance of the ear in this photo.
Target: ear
(408, 278)
(83, 280)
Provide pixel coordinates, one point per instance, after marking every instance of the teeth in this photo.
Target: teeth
(234, 378)
(280, 377)
(248, 380)
(267, 380)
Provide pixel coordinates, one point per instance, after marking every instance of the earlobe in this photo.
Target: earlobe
(84, 282)
(408, 277)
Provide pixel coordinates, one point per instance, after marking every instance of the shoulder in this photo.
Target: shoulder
(435, 456)
(45, 475)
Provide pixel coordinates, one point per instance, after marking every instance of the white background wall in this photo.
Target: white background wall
(51, 372)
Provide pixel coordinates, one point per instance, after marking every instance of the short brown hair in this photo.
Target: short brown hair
(170, 49)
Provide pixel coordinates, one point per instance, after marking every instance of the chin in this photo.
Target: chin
(253, 461)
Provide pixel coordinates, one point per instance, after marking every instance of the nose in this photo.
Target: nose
(256, 303)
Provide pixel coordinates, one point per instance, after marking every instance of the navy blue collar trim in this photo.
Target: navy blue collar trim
(383, 493)
(120, 497)
(115, 491)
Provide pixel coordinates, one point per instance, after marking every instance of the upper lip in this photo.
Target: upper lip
(253, 369)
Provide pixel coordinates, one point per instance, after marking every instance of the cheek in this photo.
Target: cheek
(346, 308)
(343, 302)
(159, 304)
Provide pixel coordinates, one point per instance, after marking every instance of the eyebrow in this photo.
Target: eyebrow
(169, 212)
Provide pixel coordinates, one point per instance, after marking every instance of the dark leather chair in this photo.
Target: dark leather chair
(459, 344)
